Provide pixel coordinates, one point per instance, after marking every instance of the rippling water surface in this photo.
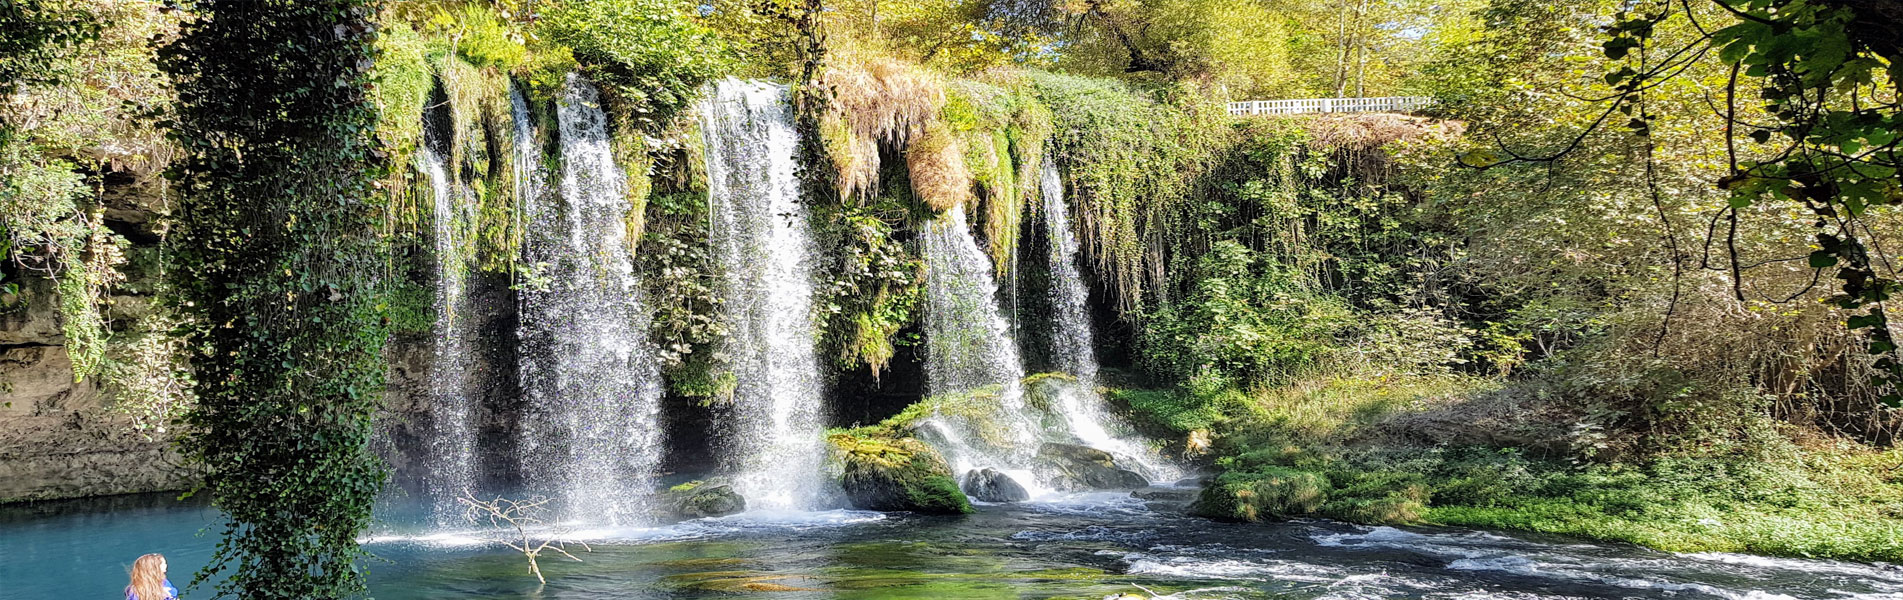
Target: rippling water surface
(1085, 546)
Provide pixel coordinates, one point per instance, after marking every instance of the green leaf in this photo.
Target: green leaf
(1822, 259)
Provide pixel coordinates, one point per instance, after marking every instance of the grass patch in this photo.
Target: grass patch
(1322, 448)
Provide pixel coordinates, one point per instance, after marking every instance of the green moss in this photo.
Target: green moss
(938, 494)
(1267, 493)
(1041, 389)
(1172, 410)
(411, 308)
(483, 39)
(686, 487)
(404, 80)
(1315, 450)
(880, 472)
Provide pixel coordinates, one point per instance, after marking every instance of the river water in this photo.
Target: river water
(1084, 546)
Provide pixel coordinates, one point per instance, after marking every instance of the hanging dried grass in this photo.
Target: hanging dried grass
(875, 100)
(936, 162)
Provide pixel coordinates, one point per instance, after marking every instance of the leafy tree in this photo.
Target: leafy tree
(1828, 77)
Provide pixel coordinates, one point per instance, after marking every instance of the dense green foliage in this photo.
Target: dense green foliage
(1822, 68)
(35, 35)
(644, 51)
(281, 258)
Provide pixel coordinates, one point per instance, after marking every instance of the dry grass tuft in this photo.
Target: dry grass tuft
(936, 162)
(875, 100)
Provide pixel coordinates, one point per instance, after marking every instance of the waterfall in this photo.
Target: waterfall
(592, 437)
(969, 351)
(760, 238)
(452, 448)
(1072, 345)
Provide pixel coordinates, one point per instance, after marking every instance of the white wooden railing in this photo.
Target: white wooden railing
(1396, 104)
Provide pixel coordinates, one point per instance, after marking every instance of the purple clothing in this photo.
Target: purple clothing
(171, 593)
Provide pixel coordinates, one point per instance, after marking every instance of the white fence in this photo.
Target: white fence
(1396, 104)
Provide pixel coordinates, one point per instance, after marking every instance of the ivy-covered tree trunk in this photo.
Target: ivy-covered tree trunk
(278, 253)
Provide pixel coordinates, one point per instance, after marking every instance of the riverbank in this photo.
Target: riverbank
(1473, 452)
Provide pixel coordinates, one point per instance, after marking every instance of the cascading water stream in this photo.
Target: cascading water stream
(1072, 344)
(969, 351)
(761, 240)
(592, 437)
(452, 448)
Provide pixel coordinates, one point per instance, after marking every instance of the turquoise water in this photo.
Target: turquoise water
(1086, 546)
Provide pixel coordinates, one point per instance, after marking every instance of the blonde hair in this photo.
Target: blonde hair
(148, 578)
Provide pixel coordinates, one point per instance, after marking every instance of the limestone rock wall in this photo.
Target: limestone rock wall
(60, 438)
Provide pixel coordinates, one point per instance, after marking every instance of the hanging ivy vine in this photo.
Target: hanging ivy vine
(279, 255)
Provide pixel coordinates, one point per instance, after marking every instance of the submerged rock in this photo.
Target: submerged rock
(1073, 466)
(990, 485)
(897, 474)
(1166, 494)
(696, 500)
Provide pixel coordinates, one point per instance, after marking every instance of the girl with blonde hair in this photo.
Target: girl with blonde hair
(148, 580)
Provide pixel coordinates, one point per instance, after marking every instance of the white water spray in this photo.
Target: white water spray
(1072, 347)
(969, 352)
(761, 240)
(452, 448)
(593, 433)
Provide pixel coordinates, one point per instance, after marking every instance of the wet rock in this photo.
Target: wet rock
(990, 485)
(1166, 494)
(1075, 452)
(897, 474)
(1073, 467)
(696, 500)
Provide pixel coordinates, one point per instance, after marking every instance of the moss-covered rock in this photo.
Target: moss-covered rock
(1072, 466)
(697, 499)
(896, 474)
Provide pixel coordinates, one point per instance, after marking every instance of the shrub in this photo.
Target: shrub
(483, 39)
(1247, 321)
(648, 53)
(1266, 493)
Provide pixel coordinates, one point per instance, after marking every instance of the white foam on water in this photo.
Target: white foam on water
(1093, 533)
(1525, 566)
(436, 539)
(1890, 579)
(1190, 567)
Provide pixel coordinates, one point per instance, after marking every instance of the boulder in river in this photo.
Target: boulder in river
(696, 500)
(1166, 494)
(1075, 466)
(897, 474)
(990, 485)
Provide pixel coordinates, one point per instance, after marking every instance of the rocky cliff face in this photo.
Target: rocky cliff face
(60, 438)
(405, 425)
